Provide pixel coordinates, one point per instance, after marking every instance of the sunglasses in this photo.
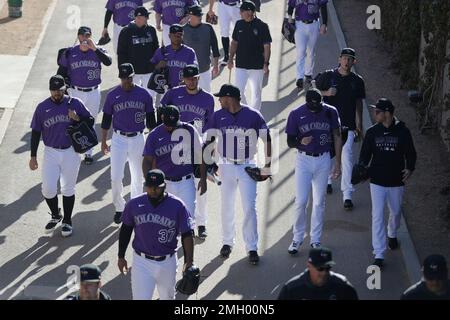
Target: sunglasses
(322, 269)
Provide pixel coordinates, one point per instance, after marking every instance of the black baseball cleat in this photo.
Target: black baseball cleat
(329, 189)
(88, 160)
(308, 80)
(66, 230)
(392, 243)
(299, 84)
(224, 61)
(225, 251)
(51, 225)
(253, 257)
(378, 262)
(118, 217)
(202, 234)
(348, 205)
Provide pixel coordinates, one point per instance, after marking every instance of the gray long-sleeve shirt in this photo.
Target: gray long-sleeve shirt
(203, 40)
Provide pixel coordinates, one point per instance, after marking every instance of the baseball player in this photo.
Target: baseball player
(171, 12)
(345, 90)
(122, 13)
(388, 150)
(82, 64)
(196, 107)
(90, 284)
(137, 45)
(307, 29)
(309, 129)
(51, 119)
(238, 122)
(174, 56)
(318, 282)
(251, 44)
(228, 14)
(129, 108)
(157, 218)
(174, 147)
(202, 38)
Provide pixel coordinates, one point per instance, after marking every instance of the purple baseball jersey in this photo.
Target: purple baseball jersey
(307, 9)
(240, 131)
(83, 68)
(304, 123)
(197, 109)
(176, 61)
(163, 146)
(52, 120)
(156, 229)
(128, 108)
(123, 11)
(172, 11)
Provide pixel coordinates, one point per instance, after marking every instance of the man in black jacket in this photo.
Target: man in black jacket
(388, 150)
(137, 44)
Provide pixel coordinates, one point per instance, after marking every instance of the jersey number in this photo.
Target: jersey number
(93, 74)
(166, 236)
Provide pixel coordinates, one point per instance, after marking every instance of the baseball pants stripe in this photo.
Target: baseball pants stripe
(305, 42)
(185, 190)
(125, 149)
(147, 274)
(205, 80)
(255, 78)
(310, 172)
(228, 15)
(393, 196)
(116, 33)
(200, 206)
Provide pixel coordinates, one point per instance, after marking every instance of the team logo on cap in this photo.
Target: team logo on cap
(153, 177)
(324, 255)
(84, 272)
(433, 267)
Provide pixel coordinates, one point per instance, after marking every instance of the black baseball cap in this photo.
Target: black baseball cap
(228, 90)
(435, 267)
(90, 273)
(84, 30)
(191, 70)
(321, 257)
(57, 83)
(348, 52)
(126, 70)
(313, 95)
(141, 12)
(195, 10)
(176, 28)
(248, 5)
(155, 178)
(171, 115)
(384, 105)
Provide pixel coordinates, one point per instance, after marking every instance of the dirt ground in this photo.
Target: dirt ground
(19, 35)
(424, 206)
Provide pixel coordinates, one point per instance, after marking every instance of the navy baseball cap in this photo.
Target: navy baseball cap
(435, 267)
(155, 178)
(384, 105)
(195, 10)
(84, 30)
(228, 90)
(171, 115)
(313, 95)
(90, 273)
(321, 257)
(348, 52)
(126, 70)
(176, 28)
(248, 5)
(141, 12)
(191, 70)
(57, 83)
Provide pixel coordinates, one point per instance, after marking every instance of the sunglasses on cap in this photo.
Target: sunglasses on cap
(322, 269)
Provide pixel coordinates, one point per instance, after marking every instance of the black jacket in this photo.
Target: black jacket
(137, 46)
(388, 151)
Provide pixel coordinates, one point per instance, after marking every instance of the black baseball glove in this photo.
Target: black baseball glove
(255, 174)
(104, 40)
(189, 283)
(360, 173)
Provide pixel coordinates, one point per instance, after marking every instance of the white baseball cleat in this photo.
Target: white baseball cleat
(66, 230)
(293, 248)
(315, 245)
(51, 225)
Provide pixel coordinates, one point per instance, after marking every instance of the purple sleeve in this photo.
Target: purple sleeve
(157, 57)
(261, 122)
(149, 103)
(291, 126)
(80, 109)
(149, 148)
(127, 216)
(335, 121)
(322, 2)
(157, 6)
(192, 57)
(110, 5)
(107, 107)
(184, 219)
(292, 3)
(36, 123)
(167, 98)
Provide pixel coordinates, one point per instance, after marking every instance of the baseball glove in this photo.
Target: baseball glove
(212, 19)
(189, 283)
(210, 168)
(104, 40)
(360, 173)
(255, 174)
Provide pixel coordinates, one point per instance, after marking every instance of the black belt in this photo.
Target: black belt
(179, 179)
(155, 258)
(128, 134)
(237, 162)
(232, 4)
(84, 89)
(308, 21)
(313, 154)
(61, 148)
(120, 25)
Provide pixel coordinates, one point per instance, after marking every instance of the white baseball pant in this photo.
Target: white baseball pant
(116, 32)
(91, 101)
(310, 171)
(185, 190)
(62, 165)
(125, 149)
(146, 274)
(228, 15)
(255, 78)
(165, 34)
(205, 80)
(142, 80)
(234, 177)
(305, 42)
(393, 196)
(200, 206)
(347, 163)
